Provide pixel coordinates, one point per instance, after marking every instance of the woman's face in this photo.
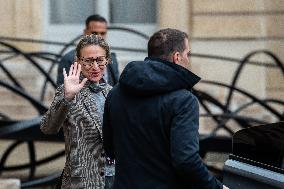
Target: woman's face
(93, 62)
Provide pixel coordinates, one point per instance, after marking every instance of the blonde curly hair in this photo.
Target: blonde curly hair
(92, 40)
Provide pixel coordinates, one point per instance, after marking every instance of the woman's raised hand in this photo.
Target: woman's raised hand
(72, 83)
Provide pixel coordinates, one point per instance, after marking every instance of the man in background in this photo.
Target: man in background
(95, 24)
(151, 120)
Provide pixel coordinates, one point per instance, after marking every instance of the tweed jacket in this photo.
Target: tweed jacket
(82, 127)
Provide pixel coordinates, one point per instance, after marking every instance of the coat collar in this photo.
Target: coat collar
(190, 78)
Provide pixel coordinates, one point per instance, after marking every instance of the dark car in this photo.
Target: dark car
(257, 159)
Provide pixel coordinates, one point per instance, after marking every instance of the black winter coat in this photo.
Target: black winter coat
(151, 128)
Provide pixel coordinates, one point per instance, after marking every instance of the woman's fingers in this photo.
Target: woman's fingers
(64, 73)
(79, 70)
(75, 67)
(71, 70)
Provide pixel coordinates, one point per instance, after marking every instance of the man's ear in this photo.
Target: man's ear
(176, 57)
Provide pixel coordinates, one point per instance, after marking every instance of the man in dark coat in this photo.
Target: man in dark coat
(95, 24)
(151, 120)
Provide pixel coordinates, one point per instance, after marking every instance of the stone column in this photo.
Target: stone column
(274, 28)
(21, 18)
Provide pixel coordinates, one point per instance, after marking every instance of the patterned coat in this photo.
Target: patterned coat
(82, 127)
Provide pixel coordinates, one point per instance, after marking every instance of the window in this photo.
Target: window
(133, 11)
(70, 11)
(65, 19)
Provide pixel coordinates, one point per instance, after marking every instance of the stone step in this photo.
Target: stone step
(10, 184)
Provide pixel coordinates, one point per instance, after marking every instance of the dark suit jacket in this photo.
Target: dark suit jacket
(68, 59)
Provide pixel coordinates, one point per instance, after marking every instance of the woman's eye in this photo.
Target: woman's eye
(89, 61)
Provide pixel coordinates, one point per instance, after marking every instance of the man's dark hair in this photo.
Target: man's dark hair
(165, 42)
(96, 18)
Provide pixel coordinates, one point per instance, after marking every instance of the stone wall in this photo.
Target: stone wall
(232, 28)
(23, 19)
(253, 25)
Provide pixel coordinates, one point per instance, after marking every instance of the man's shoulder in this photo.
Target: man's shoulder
(69, 55)
(182, 94)
(113, 57)
(113, 54)
(181, 97)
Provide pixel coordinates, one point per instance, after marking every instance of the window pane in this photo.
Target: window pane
(70, 11)
(133, 11)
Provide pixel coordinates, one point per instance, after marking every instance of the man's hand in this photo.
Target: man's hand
(225, 187)
(72, 83)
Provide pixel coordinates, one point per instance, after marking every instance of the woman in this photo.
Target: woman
(78, 108)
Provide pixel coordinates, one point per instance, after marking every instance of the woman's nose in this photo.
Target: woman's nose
(95, 66)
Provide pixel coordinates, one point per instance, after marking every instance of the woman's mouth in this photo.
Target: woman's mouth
(95, 74)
